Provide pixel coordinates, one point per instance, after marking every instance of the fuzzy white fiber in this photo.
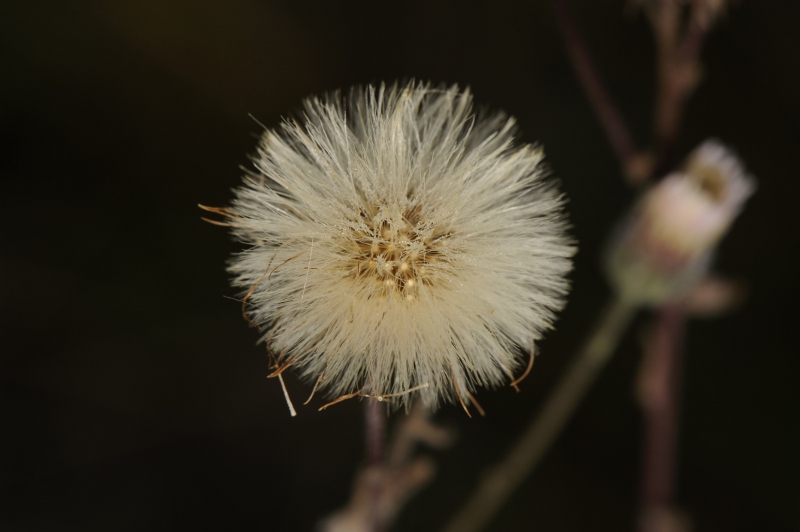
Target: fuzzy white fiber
(397, 241)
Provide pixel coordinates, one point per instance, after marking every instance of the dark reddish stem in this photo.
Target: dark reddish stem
(678, 71)
(592, 82)
(375, 433)
(660, 396)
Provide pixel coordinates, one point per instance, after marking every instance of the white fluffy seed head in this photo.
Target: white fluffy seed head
(396, 240)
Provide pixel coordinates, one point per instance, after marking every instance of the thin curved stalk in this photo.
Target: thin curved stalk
(501, 481)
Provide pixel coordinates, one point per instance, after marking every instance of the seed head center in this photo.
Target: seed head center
(399, 254)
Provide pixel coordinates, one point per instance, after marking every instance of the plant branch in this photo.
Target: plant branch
(633, 162)
(375, 435)
(498, 484)
(678, 68)
(659, 395)
(393, 473)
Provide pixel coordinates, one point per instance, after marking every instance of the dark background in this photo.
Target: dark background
(133, 395)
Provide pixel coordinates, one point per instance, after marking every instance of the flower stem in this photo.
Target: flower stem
(608, 114)
(375, 440)
(499, 483)
(678, 70)
(660, 399)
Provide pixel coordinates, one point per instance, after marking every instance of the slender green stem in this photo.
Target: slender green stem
(501, 481)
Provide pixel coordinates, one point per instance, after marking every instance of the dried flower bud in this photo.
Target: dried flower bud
(398, 243)
(665, 245)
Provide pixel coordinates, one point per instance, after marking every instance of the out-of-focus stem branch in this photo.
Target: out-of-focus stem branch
(375, 433)
(633, 162)
(659, 391)
(678, 68)
(391, 475)
(500, 482)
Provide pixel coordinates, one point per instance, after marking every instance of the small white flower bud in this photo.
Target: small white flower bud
(665, 245)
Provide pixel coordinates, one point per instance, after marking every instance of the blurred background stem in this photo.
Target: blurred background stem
(659, 396)
(635, 164)
(375, 434)
(500, 482)
(678, 69)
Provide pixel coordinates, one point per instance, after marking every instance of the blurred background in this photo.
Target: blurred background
(132, 393)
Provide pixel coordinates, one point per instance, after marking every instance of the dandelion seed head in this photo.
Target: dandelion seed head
(439, 248)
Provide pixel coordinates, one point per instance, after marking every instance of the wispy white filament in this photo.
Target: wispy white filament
(438, 246)
(292, 411)
(308, 268)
